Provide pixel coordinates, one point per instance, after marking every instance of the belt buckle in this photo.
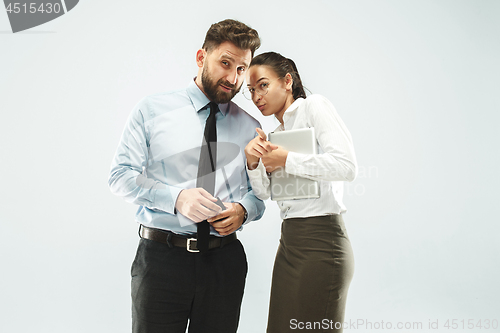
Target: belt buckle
(188, 245)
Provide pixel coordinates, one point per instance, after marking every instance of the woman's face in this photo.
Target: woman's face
(279, 93)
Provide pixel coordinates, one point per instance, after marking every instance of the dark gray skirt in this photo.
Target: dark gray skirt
(313, 269)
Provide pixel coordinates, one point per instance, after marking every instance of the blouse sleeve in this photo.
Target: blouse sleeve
(259, 181)
(338, 161)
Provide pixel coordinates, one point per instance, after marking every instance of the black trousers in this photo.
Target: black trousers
(171, 287)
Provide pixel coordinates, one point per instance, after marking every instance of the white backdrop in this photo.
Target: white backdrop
(416, 82)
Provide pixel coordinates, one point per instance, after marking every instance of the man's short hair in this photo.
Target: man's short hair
(232, 31)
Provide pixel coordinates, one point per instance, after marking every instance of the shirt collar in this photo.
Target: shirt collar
(291, 109)
(200, 100)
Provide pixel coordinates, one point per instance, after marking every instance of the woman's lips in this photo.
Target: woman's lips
(261, 107)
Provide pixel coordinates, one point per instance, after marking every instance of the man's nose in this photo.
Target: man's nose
(233, 77)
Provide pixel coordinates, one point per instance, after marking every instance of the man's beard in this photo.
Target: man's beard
(212, 90)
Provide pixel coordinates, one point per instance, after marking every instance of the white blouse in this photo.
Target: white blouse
(334, 163)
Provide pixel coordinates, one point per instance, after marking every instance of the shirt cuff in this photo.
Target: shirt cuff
(165, 199)
(245, 213)
(259, 181)
(246, 205)
(252, 206)
(293, 163)
(258, 172)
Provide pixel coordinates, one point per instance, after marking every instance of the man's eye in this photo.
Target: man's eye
(225, 63)
(241, 69)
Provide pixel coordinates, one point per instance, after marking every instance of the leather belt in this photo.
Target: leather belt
(189, 244)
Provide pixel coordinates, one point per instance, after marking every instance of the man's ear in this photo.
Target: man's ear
(201, 56)
(288, 81)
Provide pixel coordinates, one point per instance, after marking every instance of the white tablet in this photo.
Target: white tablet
(285, 186)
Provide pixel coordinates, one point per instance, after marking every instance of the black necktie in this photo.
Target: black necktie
(206, 171)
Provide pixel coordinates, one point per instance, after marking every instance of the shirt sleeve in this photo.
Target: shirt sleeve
(252, 201)
(254, 205)
(128, 178)
(338, 160)
(259, 181)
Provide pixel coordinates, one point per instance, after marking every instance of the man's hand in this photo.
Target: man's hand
(256, 148)
(229, 220)
(275, 159)
(197, 204)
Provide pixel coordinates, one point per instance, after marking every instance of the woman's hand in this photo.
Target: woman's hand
(256, 148)
(275, 159)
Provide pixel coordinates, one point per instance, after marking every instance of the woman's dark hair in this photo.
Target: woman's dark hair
(281, 67)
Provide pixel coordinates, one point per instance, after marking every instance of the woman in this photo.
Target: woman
(314, 263)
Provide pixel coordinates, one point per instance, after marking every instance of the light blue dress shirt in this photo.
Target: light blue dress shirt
(159, 152)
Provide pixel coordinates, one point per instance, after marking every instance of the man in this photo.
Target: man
(168, 143)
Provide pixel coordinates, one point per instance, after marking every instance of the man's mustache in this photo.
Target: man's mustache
(227, 84)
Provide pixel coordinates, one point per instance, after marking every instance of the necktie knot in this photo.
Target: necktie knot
(213, 108)
(210, 133)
